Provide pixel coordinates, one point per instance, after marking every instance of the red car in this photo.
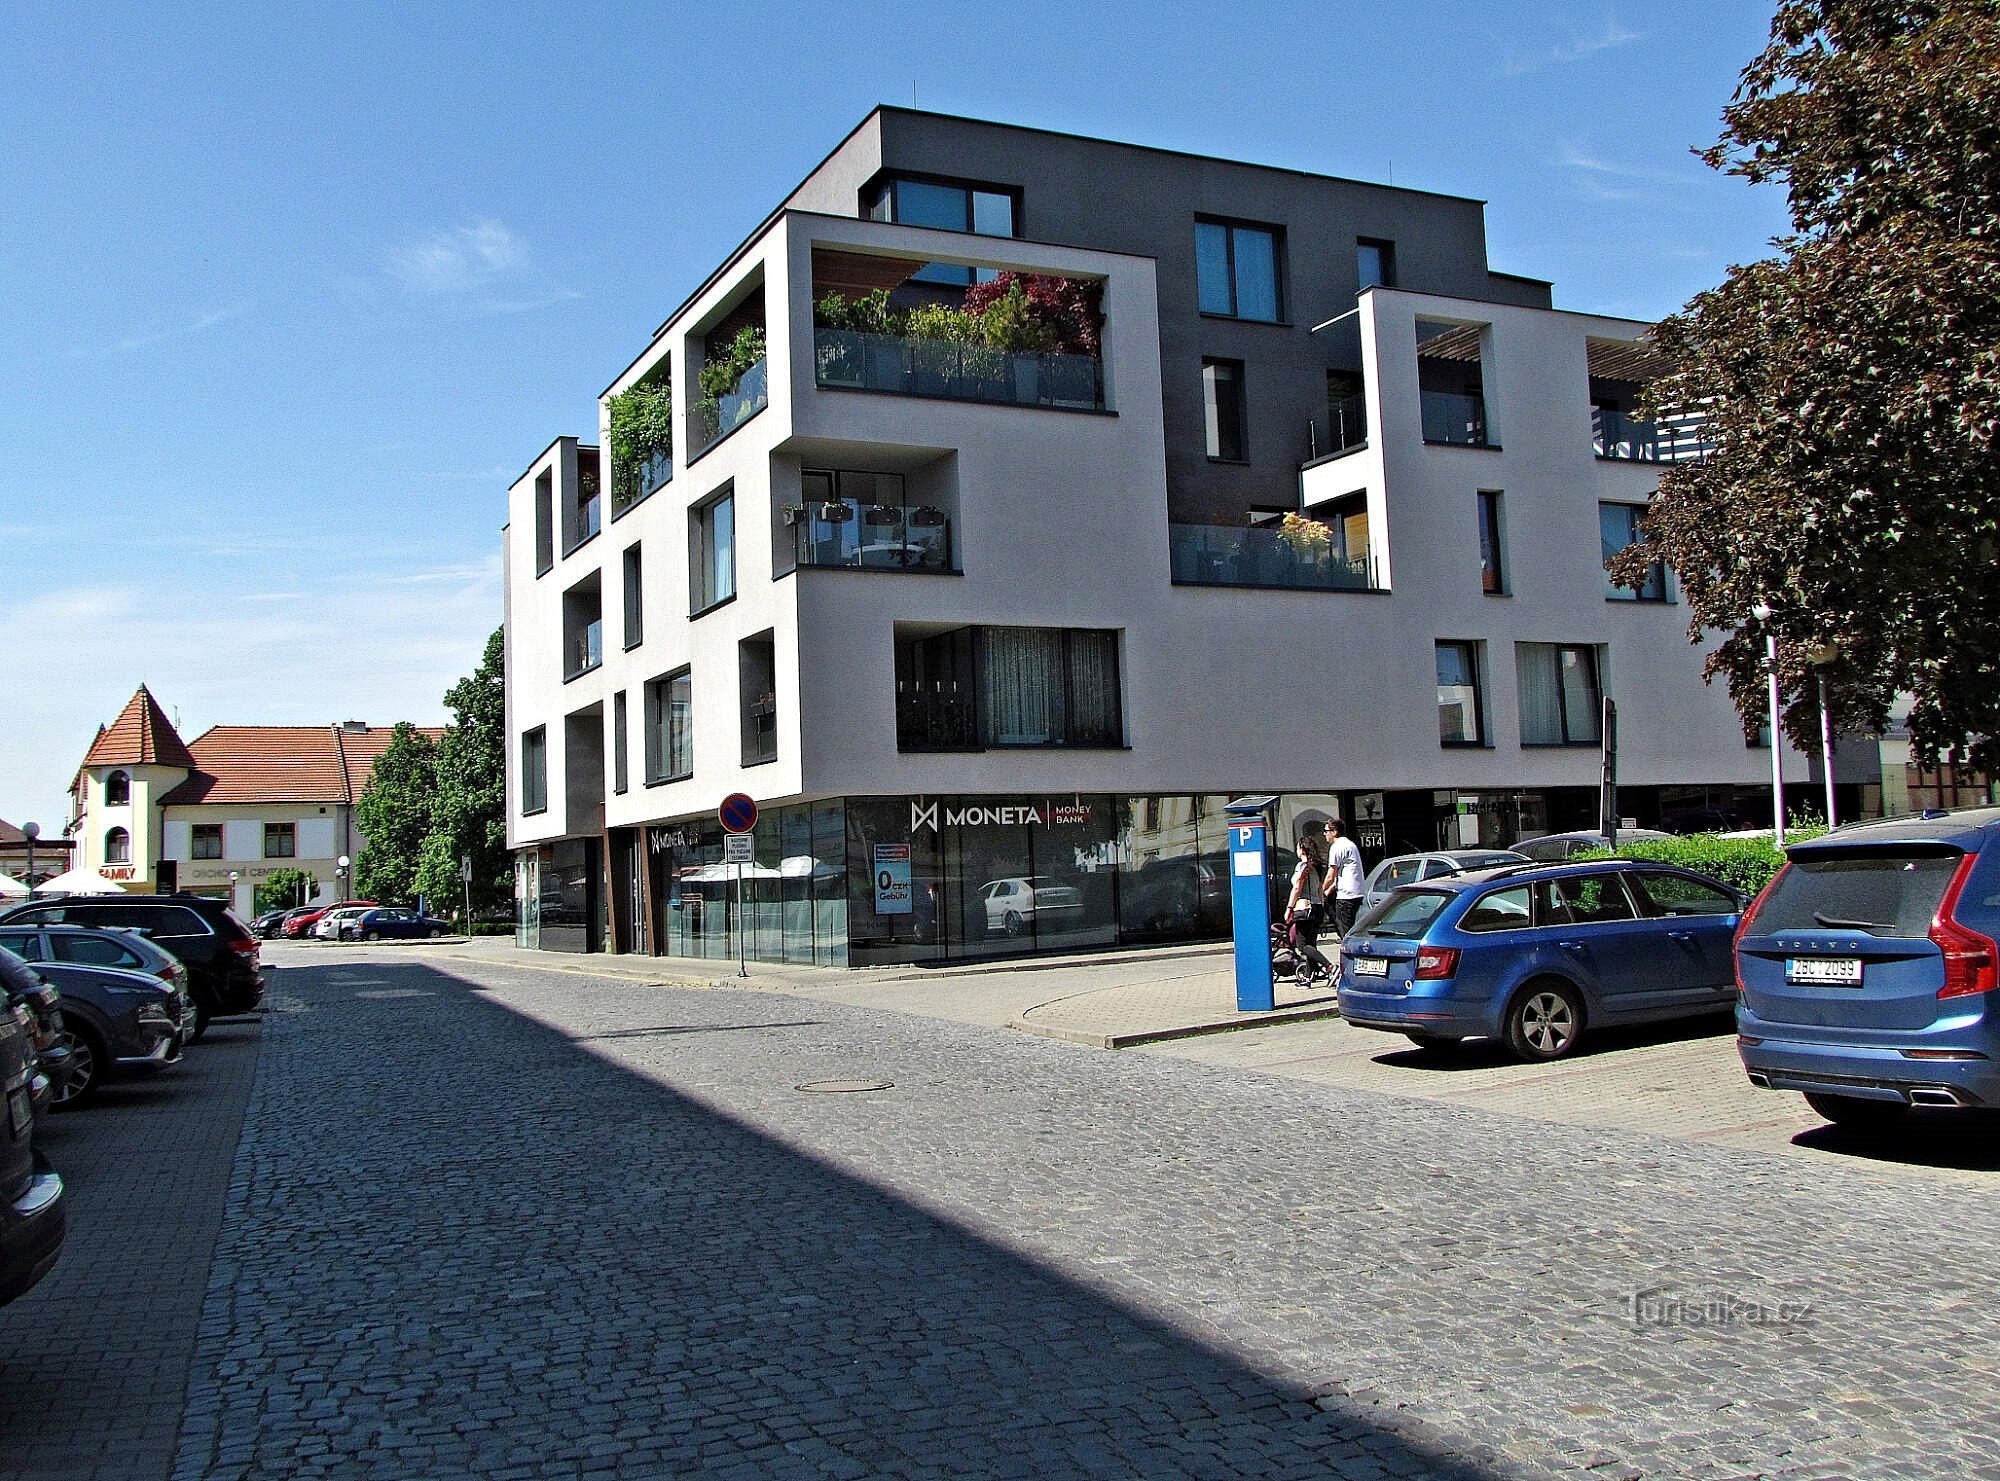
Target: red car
(300, 922)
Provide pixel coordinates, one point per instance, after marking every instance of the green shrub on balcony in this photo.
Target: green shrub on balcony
(722, 371)
(641, 430)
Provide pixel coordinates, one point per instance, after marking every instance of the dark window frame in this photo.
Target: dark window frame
(117, 846)
(1596, 736)
(545, 522)
(1385, 256)
(621, 762)
(1658, 587)
(201, 833)
(657, 717)
(535, 771)
(287, 834)
(1230, 226)
(700, 541)
(1492, 518)
(1213, 440)
(633, 569)
(1470, 648)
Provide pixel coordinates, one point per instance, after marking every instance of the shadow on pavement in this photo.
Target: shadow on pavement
(1968, 1141)
(1487, 1054)
(460, 1241)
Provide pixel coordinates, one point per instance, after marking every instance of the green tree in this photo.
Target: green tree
(469, 805)
(1851, 383)
(284, 889)
(394, 814)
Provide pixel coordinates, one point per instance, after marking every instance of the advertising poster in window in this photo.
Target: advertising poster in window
(892, 879)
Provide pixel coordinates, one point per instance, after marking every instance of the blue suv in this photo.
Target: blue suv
(1536, 953)
(1866, 969)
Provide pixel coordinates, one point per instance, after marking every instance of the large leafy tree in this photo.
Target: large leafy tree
(1851, 383)
(394, 815)
(468, 816)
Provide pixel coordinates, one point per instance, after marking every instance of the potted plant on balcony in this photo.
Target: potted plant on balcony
(794, 514)
(836, 511)
(640, 431)
(722, 373)
(884, 514)
(927, 516)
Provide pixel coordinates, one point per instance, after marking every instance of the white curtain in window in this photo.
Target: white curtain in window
(1541, 693)
(1024, 686)
(1579, 693)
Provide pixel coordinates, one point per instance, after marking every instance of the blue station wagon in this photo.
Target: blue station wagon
(1536, 954)
(1868, 967)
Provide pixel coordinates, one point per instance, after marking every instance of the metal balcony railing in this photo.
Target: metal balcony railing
(872, 537)
(936, 716)
(1623, 438)
(587, 651)
(752, 395)
(1455, 418)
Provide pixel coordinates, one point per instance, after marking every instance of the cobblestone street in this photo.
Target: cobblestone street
(519, 1223)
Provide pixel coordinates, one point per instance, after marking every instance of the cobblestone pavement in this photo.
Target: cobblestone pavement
(529, 1224)
(94, 1361)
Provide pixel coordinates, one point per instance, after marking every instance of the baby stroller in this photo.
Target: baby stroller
(1288, 964)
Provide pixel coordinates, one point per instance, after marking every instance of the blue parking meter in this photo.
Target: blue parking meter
(1250, 900)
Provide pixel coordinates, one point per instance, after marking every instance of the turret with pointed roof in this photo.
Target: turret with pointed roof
(142, 735)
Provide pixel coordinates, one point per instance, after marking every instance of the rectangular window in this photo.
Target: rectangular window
(207, 841)
(757, 691)
(535, 770)
(1492, 550)
(1375, 263)
(1236, 270)
(712, 553)
(635, 602)
(1460, 721)
(670, 727)
(946, 206)
(545, 521)
(1008, 686)
(1222, 392)
(279, 842)
(1618, 527)
(1560, 698)
(621, 777)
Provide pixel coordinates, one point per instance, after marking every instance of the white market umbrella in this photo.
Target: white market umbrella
(79, 881)
(11, 886)
(805, 866)
(724, 873)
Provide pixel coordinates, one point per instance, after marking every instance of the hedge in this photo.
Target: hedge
(1747, 864)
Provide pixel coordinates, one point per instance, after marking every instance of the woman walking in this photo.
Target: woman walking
(1306, 908)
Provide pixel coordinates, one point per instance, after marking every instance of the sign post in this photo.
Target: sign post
(465, 874)
(738, 815)
(1250, 901)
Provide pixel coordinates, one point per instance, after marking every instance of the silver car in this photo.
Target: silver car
(1402, 869)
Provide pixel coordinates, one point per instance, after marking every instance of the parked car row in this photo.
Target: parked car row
(1861, 976)
(350, 920)
(98, 989)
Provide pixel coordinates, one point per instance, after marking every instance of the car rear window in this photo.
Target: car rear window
(94, 951)
(1886, 892)
(1405, 914)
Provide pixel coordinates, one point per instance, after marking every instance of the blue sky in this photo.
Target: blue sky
(292, 294)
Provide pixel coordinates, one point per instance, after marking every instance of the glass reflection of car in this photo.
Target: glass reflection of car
(1869, 966)
(1189, 894)
(1553, 848)
(1013, 905)
(1535, 955)
(1402, 869)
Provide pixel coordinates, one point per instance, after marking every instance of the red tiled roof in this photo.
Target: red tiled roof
(282, 763)
(142, 735)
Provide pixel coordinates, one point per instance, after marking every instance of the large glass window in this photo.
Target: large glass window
(1236, 270)
(207, 842)
(712, 553)
(1618, 527)
(1459, 718)
(946, 206)
(670, 727)
(1007, 686)
(1222, 393)
(280, 841)
(1559, 693)
(621, 776)
(535, 770)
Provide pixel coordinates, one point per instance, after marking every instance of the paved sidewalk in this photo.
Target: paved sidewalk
(1106, 1000)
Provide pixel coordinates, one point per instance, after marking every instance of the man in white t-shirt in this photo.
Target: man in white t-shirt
(1345, 883)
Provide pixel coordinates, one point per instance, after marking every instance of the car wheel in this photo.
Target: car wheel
(87, 1066)
(1545, 1020)
(1431, 1041)
(371, 935)
(1856, 1114)
(1013, 925)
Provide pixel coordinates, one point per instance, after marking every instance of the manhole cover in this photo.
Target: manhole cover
(844, 1087)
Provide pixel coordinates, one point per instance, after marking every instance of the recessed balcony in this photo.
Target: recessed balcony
(847, 533)
(1264, 556)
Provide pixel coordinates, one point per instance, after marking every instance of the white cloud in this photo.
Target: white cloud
(459, 260)
(176, 330)
(1576, 49)
(378, 645)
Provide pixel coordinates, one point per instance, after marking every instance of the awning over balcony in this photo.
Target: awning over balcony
(1635, 361)
(853, 274)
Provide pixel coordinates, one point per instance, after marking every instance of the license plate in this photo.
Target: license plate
(20, 1113)
(1371, 966)
(1828, 971)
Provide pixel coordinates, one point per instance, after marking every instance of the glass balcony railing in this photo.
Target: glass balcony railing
(587, 651)
(752, 395)
(1257, 555)
(871, 537)
(1455, 418)
(1347, 422)
(1624, 438)
(589, 515)
(936, 716)
(951, 371)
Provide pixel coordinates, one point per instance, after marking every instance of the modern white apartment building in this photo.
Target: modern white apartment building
(991, 621)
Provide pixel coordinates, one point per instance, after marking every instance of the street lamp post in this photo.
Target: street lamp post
(1822, 656)
(1763, 612)
(235, 877)
(340, 866)
(30, 831)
